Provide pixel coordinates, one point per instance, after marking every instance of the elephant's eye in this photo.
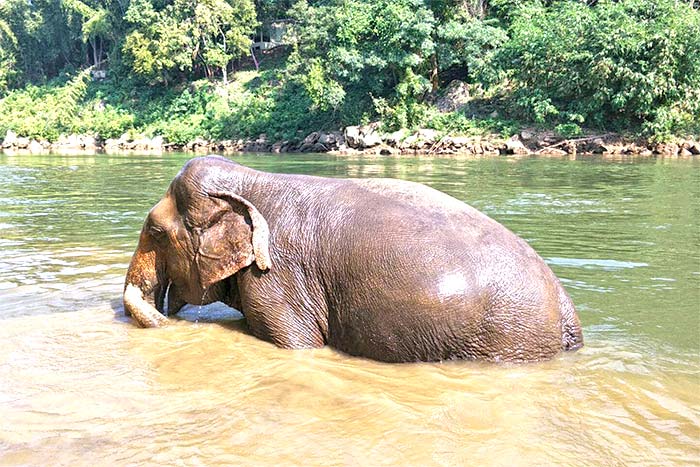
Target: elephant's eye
(156, 232)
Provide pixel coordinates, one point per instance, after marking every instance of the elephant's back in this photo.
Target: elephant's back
(456, 276)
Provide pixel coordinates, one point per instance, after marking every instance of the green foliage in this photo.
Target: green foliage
(568, 130)
(182, 36)
(158, 45)
(107, 122)
(471, 44)
(364, 46)
(43, 112)
(626, 64)
(325, 93)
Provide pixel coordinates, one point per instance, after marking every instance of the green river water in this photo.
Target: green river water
(81, 385)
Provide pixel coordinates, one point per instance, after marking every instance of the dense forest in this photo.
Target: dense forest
(222, 69)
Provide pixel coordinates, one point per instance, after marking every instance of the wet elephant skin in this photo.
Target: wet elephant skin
(380, 268)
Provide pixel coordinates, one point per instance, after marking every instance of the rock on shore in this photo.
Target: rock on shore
(367, 139)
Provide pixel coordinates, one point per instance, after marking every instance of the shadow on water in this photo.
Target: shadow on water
(214, 313)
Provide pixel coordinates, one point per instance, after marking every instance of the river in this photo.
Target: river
(80, 385)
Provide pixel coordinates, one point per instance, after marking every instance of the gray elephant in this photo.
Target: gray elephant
(379, 268)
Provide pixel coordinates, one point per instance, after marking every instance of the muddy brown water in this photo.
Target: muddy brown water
(80, 385)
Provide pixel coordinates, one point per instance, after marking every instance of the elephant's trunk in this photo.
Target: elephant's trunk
(144, 284)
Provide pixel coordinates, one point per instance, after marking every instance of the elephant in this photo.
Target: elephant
(384, 269)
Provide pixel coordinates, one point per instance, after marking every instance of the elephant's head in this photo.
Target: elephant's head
(198, 235)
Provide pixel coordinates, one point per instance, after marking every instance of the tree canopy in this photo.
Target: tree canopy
(614, 64)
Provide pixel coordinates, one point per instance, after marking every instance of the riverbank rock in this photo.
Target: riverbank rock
(455, 97)
(667, 149)
(75, 142)
(136, 143)
(552, 152)
(10, 139)
(35, 147)
(22, 142)
(516, 147)
(362, 137)
(367, 139)
(352, 136)
(318, 141)
(395, 138)
(332, 139)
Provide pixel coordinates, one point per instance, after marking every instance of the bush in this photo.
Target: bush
(626, 64)
(107, 122)
(44, 112)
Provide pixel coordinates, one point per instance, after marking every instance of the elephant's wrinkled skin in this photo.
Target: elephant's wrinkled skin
(379, 268)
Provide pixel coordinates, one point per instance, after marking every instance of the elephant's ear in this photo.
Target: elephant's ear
(234, 237)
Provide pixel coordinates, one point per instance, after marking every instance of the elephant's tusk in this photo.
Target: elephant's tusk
(143, 312)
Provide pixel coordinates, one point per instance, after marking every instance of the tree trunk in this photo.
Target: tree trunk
(255, 60)
(434, 74)
(93, 42)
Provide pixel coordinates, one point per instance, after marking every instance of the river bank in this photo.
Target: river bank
(368, 139)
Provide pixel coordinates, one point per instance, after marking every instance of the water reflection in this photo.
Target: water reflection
(80, 385)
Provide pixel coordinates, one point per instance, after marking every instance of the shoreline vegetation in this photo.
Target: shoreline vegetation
(444, 77)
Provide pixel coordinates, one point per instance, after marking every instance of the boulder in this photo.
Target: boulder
(695, 148)
(277, 147)
(667, 149)
(88, 142)
(596, 146)
(396, 137)
(369, 140)
(428, 135)
(142, 144)
(409, 142)
(318, 147)
(327, 139)
(22, 142)
(312, 138)
(461, 141)
(516, 147)
(386, 150)
(197, 143)
(112, 143)
(35, 147)
(685, 153)
(73, 142)
(305, 147)
(553, 152)
(455, 97)
(612, 148)
(526, 135)
(157, 142)
(10, 139)
(352, 136)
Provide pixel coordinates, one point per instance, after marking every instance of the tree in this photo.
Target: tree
(44, 42)
(159, 43)
(95, 25)
(628, 63)
(8, 49)
(363, 45)
(222, 29)
(185, 36)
